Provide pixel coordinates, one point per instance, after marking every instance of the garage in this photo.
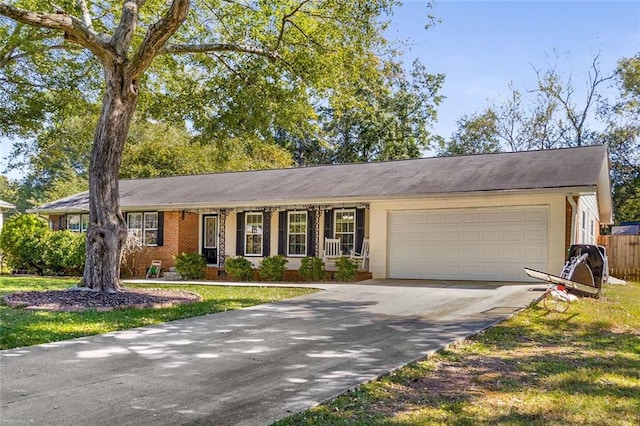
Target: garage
(468, 244)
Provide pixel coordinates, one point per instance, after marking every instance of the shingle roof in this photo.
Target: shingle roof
(547, 169)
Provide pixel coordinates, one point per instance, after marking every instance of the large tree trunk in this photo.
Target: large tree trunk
(107, 228)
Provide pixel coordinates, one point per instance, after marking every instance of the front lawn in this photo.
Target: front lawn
(22, 327)
(538, 368)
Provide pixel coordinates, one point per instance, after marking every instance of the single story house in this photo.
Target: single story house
(474, 217)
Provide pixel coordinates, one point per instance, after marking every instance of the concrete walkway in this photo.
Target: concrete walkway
(251, 366)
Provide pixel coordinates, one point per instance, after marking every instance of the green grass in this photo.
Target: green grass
(22, 327)
(538, 368)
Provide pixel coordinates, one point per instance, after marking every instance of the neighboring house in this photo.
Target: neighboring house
(476, 217)
(4, 206)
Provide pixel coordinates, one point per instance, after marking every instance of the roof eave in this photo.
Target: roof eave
(346, 201)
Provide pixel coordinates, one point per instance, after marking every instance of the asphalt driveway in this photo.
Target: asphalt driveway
(251, 366)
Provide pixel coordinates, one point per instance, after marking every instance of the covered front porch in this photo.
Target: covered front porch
(256, 233)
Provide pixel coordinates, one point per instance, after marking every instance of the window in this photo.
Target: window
(151, 229)
(78, 222)
(144, 225)
(297, 234)
(253, 234)
(592, 231)
(583, 230)
(345, 229)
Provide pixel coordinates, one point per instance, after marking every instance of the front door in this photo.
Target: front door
(210, 238)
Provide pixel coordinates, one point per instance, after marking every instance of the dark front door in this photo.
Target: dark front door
(210, 238)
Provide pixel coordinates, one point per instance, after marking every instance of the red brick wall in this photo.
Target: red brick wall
(188, 233)
(180, 235)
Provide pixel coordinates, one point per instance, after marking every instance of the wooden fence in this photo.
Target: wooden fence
(623, 252)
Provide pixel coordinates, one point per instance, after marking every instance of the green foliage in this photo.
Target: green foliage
(21, 242)
(63, 253)
(386, 115)
(29, 244)
(8, 190)
(312, 268)
(245, 111)
(347, 269)
(157, 149)
(629, 75)
(475, 135)
(232, 70)
(623, 138)
(191, 266)
(239, 268)
(272, 268)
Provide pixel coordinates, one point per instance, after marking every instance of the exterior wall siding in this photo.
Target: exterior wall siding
(587, 230)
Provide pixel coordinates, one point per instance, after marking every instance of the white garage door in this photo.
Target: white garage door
(468, 244)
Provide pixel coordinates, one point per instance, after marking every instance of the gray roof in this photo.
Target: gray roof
(547, 169)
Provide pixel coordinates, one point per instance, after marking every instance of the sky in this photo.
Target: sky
(481, 46)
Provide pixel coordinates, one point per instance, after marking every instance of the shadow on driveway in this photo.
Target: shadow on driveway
(251, 366)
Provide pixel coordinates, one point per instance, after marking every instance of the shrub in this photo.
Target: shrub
(239, 268)
(272, 268)
(312, 269)
(190, 266)
(63, 253)
(21, 242)
(347, 269)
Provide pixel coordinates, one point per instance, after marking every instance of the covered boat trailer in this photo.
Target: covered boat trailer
(583, 274)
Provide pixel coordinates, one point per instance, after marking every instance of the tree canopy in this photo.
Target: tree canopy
(326, 94)
(230, 72)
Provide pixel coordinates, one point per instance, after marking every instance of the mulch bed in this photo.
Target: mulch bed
(75, 300)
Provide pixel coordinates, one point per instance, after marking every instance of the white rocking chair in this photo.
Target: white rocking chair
(362, 257)
(332, 250)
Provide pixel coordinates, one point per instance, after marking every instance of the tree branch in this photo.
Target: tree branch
(121, 39)
(5, 60)
(86, 17)
(157, 36)
(74, 30)
(218, 47)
